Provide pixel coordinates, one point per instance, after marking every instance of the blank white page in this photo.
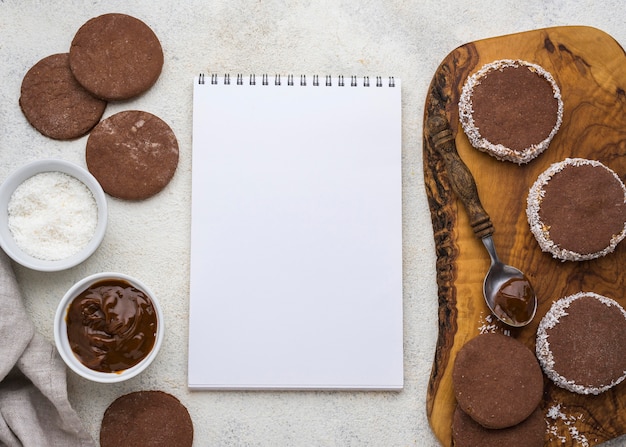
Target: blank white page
(296, 236)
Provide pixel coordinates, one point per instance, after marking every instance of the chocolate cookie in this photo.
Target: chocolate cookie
(497, 380)
(146, 418)
(468, 433)
(116, 56)
(133, 154)
(54, 103)
(580, 343)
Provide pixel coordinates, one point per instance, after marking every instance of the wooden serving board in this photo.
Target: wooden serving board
(590, 68)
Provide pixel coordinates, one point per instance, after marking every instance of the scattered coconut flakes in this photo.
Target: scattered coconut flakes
(556, 413)
(488, 325)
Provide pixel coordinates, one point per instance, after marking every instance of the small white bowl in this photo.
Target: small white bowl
(15, 179)
(62, 342)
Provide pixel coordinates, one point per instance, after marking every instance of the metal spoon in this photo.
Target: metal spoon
(507, 291)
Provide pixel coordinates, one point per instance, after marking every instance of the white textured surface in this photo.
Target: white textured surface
(150, 239)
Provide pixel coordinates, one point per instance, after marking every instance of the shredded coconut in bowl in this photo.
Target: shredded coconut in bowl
(52, 216)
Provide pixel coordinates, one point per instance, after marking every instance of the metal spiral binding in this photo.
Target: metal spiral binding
(265, 80)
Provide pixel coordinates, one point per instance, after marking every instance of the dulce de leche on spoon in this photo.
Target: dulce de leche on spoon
(507, 291)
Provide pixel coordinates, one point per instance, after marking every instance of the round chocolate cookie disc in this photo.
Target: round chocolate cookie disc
(54, 103)
(576, 210)
(468, 433)
(511, 109)
(116, 56)
(146, 419)
(497, 380)
(580, 343)
(133, 154)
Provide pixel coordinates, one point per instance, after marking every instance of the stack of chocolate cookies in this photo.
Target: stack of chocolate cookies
(498, 386)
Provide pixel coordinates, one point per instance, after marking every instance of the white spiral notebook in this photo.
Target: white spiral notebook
(296, 233)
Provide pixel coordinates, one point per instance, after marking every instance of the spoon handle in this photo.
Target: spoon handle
(460, 177)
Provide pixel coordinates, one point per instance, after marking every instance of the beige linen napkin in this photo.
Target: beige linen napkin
(34, 408)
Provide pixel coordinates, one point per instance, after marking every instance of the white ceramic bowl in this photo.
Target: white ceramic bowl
(62, 342)
(15, 179)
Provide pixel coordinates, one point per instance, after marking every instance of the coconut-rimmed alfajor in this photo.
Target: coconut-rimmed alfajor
(580, 343)
(511, 109)
(576, 210)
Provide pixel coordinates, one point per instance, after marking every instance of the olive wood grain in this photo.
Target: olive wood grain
(590, 68)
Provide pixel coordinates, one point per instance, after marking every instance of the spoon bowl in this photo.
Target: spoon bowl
(507, 291)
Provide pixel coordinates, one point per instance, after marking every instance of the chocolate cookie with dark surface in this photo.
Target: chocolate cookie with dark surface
(146, 419)
(466, 432)
(116, 56)
(54, 103)
(576, 210)
(133, 154)
(497, 380)
(580, 343)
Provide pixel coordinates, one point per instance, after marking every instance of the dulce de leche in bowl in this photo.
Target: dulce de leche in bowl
(108, 327)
